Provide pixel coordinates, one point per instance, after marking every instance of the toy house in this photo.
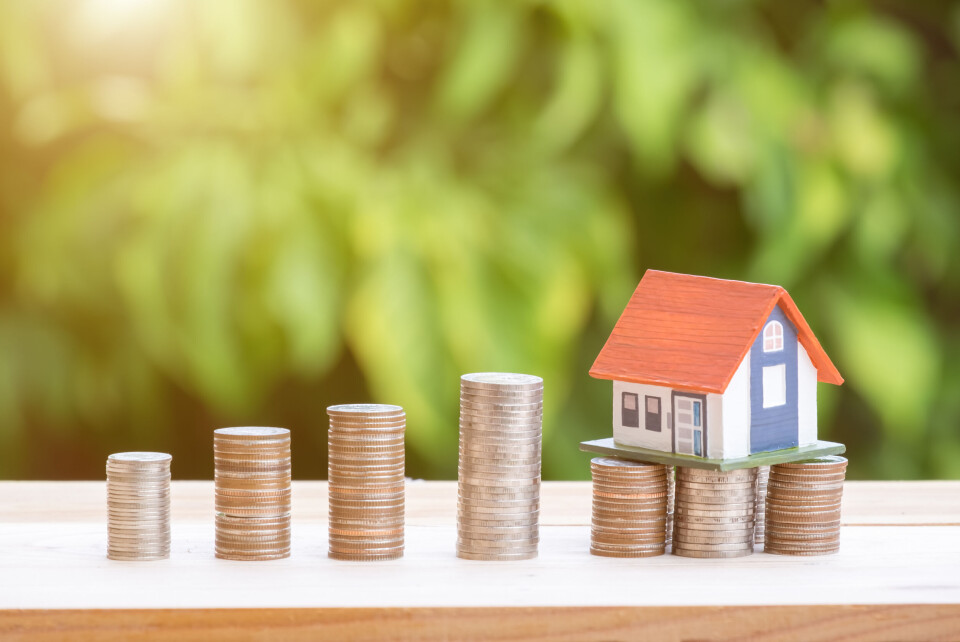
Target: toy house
(712, 373)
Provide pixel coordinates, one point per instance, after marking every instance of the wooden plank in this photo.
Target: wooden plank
(50, 564)
(611, 448)
(586, 624)
(897, 576)
(63, 566)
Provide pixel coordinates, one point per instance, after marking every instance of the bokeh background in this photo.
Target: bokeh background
(239, 212)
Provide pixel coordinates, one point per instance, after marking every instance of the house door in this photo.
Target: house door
(689, 423)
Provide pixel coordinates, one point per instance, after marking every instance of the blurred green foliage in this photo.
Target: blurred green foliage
(239, 212)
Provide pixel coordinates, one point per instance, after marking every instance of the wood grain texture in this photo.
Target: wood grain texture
(897, 577)
(800, 624)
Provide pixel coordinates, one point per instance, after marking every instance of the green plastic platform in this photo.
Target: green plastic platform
(613, 449)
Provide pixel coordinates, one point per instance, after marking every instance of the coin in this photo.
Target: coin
(252, 493)
(138, 506)
(686, 552)
(499, 463)
(625, 554)
(629, 508)
(366, 466)
(802, 515)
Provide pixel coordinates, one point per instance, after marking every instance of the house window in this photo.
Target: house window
(774, 386)
(773, 337)
(652, 421)
(630, 413)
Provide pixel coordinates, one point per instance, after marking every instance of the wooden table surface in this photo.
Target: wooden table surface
(897, 576)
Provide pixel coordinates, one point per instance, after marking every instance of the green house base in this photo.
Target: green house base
(613, 449)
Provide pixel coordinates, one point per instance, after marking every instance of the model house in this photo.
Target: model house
(711, 368)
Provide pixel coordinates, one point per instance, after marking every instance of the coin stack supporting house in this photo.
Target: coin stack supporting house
(671, 493)
(138, 506)
(252, 493)
(803, 507)
(499, 477)
(714, 512)
(763, 477)
(629, 508)
(366, 474)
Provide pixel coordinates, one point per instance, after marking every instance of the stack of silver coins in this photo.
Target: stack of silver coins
(138, 506)
(252, 486)
(366, 475)
(803, 507)
(763, 476)
(671, 491)
(498, 508)
(629, 508)
(714, 512)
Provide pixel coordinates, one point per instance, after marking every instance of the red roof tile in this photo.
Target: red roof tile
(692, 332)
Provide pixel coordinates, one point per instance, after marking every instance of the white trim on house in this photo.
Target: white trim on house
(806, 397)
(733, 430)
(775, 385)
(773, 337)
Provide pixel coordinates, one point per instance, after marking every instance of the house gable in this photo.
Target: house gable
(774, 422)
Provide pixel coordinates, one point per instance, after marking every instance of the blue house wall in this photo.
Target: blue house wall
(777, 427)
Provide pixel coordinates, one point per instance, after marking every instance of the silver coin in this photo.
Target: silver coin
(497, 557)
(140, 457)
(496, 525)
(242, 432)
(509, 380)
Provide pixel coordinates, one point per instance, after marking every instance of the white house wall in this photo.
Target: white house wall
(714, 429)
(806, 397)
(641, 437)
(735, 403)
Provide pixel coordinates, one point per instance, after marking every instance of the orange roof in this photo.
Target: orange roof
(692, 332)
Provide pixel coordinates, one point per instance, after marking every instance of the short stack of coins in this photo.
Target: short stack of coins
(714, 512)
(138, 506)
(498, 508)
(252, 493)
(366, 475)
(763, 476)
(629, 508)
(803, 507)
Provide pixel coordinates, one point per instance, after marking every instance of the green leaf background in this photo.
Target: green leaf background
(240, 212)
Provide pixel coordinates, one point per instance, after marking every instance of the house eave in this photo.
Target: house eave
(674, 384)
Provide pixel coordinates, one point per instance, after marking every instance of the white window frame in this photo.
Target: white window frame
(775, 386)
(773, 337)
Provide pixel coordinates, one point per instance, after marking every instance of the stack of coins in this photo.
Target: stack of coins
(763, 476)
(366, 467)
(138, 506)
(252, 486)
(803, 507)
(714, 512)
(671, 491)
(498, 506)
(629, 508)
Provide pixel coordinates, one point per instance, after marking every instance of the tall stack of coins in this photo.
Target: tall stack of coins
(803, 507)
(629, 508)
(714, 512)
(763, 476)
(252, 486)
(365, 469)
(498, 506)
(138, 506)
